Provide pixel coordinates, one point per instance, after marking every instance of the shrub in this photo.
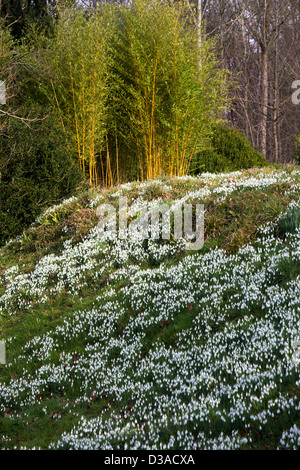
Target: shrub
(230, 151)
(212, 162)
(163, 103)
(36, 169)
(77, 88)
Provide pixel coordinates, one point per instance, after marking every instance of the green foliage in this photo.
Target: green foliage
(230, 151)
(37, 169)
(19, 13)
(77, 86)
(127, 85)
(9, 73)
(165, 102)
(211, 161)
(297, 148)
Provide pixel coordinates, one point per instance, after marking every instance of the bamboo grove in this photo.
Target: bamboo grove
(133, 90)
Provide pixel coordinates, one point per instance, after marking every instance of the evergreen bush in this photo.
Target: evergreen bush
(230, 151)
(37, 171)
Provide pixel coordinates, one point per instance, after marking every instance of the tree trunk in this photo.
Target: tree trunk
(265, 99)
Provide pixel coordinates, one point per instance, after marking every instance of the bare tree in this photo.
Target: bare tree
(259, 43)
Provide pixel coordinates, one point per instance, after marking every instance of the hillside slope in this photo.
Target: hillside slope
(141, 344)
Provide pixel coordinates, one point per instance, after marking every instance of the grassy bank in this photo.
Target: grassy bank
(123, 343)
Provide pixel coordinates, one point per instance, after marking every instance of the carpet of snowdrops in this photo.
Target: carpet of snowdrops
(228, 379)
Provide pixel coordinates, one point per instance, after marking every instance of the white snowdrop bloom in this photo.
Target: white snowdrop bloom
(226, 372)
(291, 439)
